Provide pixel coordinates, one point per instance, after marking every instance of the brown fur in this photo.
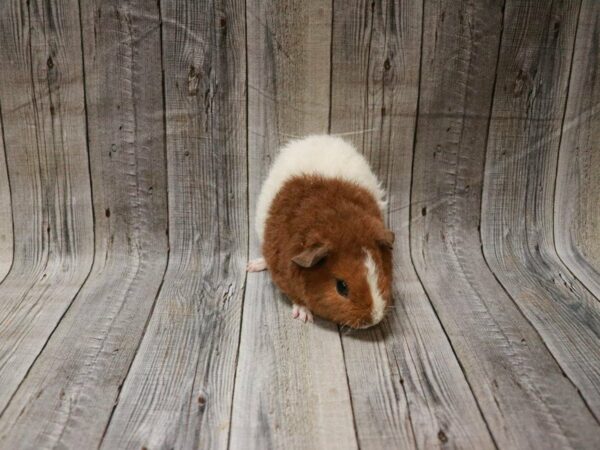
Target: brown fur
(311, 212)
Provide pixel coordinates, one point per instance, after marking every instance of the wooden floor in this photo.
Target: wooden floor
(134, 138)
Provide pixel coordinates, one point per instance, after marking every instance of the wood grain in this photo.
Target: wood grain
(134, 138)
(6, 227)
(290, 389)
(41, 92)
(79, 374)
(178, 393)
(399, 373)
(577, 198)
(518, 196)
(508, 366)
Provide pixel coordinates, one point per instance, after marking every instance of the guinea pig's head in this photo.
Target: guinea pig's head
(348, 276)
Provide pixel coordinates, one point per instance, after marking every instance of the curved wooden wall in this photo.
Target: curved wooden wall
(134, 139)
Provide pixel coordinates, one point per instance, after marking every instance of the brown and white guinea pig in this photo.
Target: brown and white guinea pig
(319, 219)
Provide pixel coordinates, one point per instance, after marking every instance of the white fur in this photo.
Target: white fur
(324, 155)
(378, 310)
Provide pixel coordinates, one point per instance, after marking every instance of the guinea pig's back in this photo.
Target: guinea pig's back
(327, 156)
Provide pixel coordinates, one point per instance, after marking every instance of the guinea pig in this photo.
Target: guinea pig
(320, 223)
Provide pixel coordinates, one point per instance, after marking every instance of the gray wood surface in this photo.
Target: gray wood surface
(80, 372)
(507, 364)
(178, 393)
(134, 137)
(518, 196)
(376, 56)
(41, 89)
(577, 198)
(291, 389)
(6, 227)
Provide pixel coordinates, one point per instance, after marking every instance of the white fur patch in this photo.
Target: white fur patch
(378, 310)
(324, 155)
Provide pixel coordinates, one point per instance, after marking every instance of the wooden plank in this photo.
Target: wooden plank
(79, 374)
(521, 163)
(508, 366)
(179, 390)
(6, 227)
(408, 390)
(577, 198)
(41, 91)
(291, 389)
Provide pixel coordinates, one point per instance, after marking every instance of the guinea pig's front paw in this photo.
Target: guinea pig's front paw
(302, 313)
(256, 265)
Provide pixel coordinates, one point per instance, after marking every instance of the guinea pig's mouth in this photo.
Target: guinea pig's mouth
(364, 325)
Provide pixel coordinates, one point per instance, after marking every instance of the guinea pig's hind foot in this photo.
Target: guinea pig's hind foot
(302, 313)
(256, 265)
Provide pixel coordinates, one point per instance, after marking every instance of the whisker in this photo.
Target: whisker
(350, 133)
(347, 326)
(290, 135)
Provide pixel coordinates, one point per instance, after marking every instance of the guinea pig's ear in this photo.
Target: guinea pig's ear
(386, 238)
(311, 256)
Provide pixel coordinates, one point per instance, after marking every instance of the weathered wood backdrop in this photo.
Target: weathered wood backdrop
(135, 135)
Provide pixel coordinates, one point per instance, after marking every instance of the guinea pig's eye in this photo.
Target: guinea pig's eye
(342, 288)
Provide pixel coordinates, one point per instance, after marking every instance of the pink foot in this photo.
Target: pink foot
(256, 265)
(302, 313)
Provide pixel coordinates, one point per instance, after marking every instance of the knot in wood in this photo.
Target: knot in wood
(202, 399)
(442, 436)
